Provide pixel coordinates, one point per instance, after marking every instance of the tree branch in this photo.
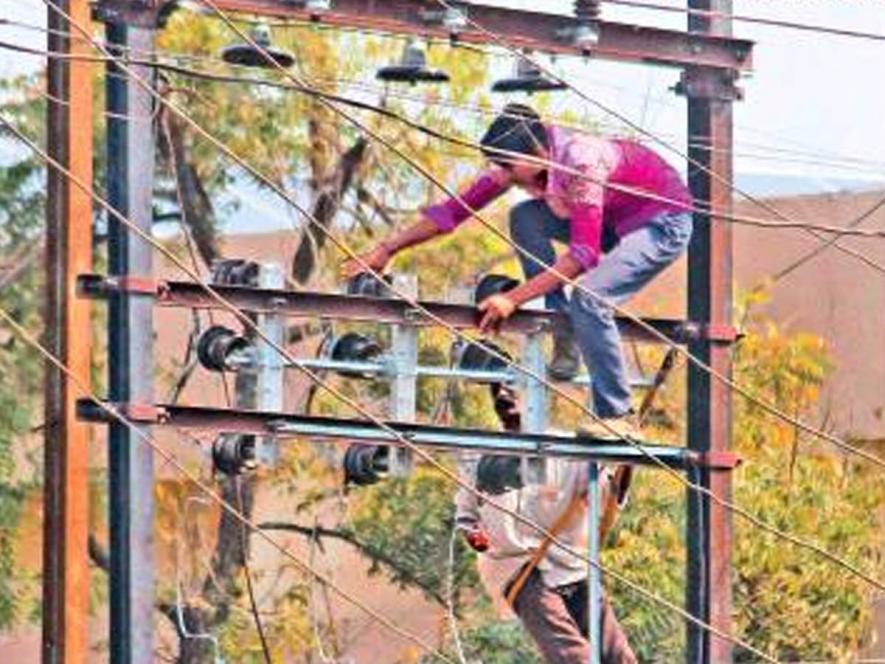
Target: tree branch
(375, 555)
(324, 210)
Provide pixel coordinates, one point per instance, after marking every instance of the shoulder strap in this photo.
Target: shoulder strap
(561, 522)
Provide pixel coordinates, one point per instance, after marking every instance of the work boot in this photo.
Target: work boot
(611, 428)
(566, 358)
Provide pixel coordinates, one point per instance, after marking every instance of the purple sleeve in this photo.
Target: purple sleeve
(586, 234)
(451, 213)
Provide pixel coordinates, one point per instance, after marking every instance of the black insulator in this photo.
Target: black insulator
(481, 356)
(248, 55)
(217, 347)
(367, 284)
(527, 78)
(234, 454)
(587, 10)
(411, 74)
(493, 284)
(366, 464)
(356, 347)
(412, 68)
(235, 272)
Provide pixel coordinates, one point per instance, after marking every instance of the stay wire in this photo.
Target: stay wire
(349, 252)
(171, 459)
(240, 315)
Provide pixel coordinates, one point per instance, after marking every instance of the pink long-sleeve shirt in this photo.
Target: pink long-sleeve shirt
(587, 202)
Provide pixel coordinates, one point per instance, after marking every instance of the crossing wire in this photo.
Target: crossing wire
(171, 459)
(791, 155)
(745, 18)
(247, 322)
(223, 147)
(771, 409)
(500, 41)
(679, 477)
(786, 224)
(810, 546)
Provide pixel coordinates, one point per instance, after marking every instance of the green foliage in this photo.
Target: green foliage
(412, 520)
(789, 602)
(22, 195)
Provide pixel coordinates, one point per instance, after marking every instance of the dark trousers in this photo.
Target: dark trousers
(557, 620)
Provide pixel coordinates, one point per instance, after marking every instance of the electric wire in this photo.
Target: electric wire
(823, 553)
(715, 498)
(517, 516)
(240, 315)
(225, 505)
(574, 283)
(786, 224)
(743, 18)
(841, 161)
(622, 118)
(750, 517)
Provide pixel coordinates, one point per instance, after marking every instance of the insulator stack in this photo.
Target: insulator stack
(587, 10)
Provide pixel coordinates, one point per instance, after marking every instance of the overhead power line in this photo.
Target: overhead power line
(171, 459)
(164, 101)
(747, 220)
(759, 20)
(246, 321)
(348, 251)
(568, 397)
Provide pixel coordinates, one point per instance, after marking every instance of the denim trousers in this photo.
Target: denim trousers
(626, 266)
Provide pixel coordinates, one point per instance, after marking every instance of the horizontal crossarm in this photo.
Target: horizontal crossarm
(376, 310)
(199, 419)
(534, 30)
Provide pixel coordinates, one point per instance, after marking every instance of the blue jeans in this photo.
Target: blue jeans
(629, 265)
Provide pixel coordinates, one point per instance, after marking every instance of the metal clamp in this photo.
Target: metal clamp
(708, 83)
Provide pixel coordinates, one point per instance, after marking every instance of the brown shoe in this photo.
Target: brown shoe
(611, 428)
(566, 358)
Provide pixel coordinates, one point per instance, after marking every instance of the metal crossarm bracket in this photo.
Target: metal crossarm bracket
(533, 30)
(285, 425)
(376, 310)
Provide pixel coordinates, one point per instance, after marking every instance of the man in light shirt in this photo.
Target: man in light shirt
(550, 599)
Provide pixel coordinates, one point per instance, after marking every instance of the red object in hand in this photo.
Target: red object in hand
(477, 539)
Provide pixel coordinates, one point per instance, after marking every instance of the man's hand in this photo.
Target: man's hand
(376, 259)
(495, 310)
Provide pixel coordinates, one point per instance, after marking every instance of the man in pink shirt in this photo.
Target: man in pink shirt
(620, 208)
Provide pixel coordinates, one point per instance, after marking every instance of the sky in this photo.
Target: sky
(818, 96)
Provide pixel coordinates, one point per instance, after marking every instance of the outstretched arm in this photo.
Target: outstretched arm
(437, 220)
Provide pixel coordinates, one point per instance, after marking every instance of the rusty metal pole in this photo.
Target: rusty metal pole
(67, 336)
(130, 147)
(709, 529)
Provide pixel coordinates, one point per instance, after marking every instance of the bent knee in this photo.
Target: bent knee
(584, 306)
